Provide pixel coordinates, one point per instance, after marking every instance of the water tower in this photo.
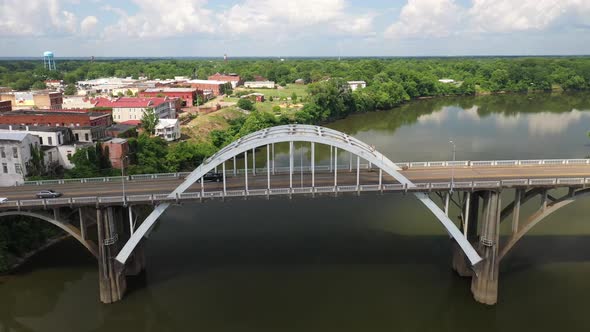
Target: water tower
(48, 60)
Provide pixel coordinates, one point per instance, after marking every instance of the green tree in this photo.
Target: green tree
(294, 97)
(70, 90)
(257, 121)
(149, 121)
(36, 164)
(39, 85)
(129, 93)
(148, 155)
(246, 104)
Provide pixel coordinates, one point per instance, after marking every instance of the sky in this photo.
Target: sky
(211, 28)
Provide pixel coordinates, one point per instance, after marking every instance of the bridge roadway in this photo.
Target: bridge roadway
(323, 178)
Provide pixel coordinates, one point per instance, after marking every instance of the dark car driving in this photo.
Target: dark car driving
(212, 177)
(48, 194)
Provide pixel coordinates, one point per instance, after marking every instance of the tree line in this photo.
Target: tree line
(418, 76)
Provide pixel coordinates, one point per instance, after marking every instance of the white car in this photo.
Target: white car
(3, 200)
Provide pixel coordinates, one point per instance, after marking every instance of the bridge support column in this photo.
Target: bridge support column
(112, 283)
(461, 264)
(484, 284)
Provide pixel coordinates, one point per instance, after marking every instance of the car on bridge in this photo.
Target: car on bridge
(212, 177)
(3, 200)
(48, 194)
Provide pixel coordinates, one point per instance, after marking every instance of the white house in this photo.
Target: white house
(354, 85)
(260, 85)
(15, 153)
(168, 129)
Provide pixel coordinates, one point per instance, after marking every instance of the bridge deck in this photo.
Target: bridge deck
(322, 179)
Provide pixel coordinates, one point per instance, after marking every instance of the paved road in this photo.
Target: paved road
(164, 186)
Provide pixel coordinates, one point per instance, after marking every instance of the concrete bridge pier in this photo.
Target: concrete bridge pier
(469, 221)
(112, 282)
(484, 284)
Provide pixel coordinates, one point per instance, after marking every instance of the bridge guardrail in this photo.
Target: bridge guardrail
(321, 168)
(159, 198)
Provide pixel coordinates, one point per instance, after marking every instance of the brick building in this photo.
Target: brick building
(216, 87)
(56, 118)
(234, 79)
(118, 149)
(5, 106)
(188, 95)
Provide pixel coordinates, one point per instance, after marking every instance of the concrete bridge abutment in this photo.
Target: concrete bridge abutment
(111, 277)
(484, 283)
(112, 234)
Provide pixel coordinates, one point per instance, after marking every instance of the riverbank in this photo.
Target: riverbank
(22, 260)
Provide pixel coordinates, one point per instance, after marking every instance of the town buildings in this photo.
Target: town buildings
(188, 95)
(56, 118)
(48, 136)
(15, 153)
(125, 109)
(54, 84)
(168, 129)
(260, 85)
(256, 97)
(45, 100)
(234, 79)
(216, 87)
(78, 103)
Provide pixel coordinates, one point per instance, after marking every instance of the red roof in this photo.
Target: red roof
(132, 122)
(129, 102)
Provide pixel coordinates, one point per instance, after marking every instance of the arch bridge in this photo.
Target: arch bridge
(477, 250)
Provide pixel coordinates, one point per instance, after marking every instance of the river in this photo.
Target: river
(374, 263)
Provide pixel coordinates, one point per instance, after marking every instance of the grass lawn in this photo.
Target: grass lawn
(198, 130)
(299, 89)
(267, 106)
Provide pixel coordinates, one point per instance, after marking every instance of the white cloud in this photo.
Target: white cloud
(163, 18)
(35, 17)
(88, 24)
(261, 16)
(426, 18)
(442, 18)
(507, 15)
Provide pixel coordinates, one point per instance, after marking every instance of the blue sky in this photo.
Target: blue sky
(294, 28)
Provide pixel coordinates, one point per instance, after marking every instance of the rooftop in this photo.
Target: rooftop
(206, 82)
(92, 115)
(117, 141)
(128, 102)
(121, 127)
(171, 90)
(17, 137)
(132, 122)
(21, 128)
(166, 123)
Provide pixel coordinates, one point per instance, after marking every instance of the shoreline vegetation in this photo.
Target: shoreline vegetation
(325, 97)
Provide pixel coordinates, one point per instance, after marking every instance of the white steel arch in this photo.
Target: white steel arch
(298, 133)
(71, 230)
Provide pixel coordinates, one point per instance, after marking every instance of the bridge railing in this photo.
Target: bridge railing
(191, 196)
(325, 168)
